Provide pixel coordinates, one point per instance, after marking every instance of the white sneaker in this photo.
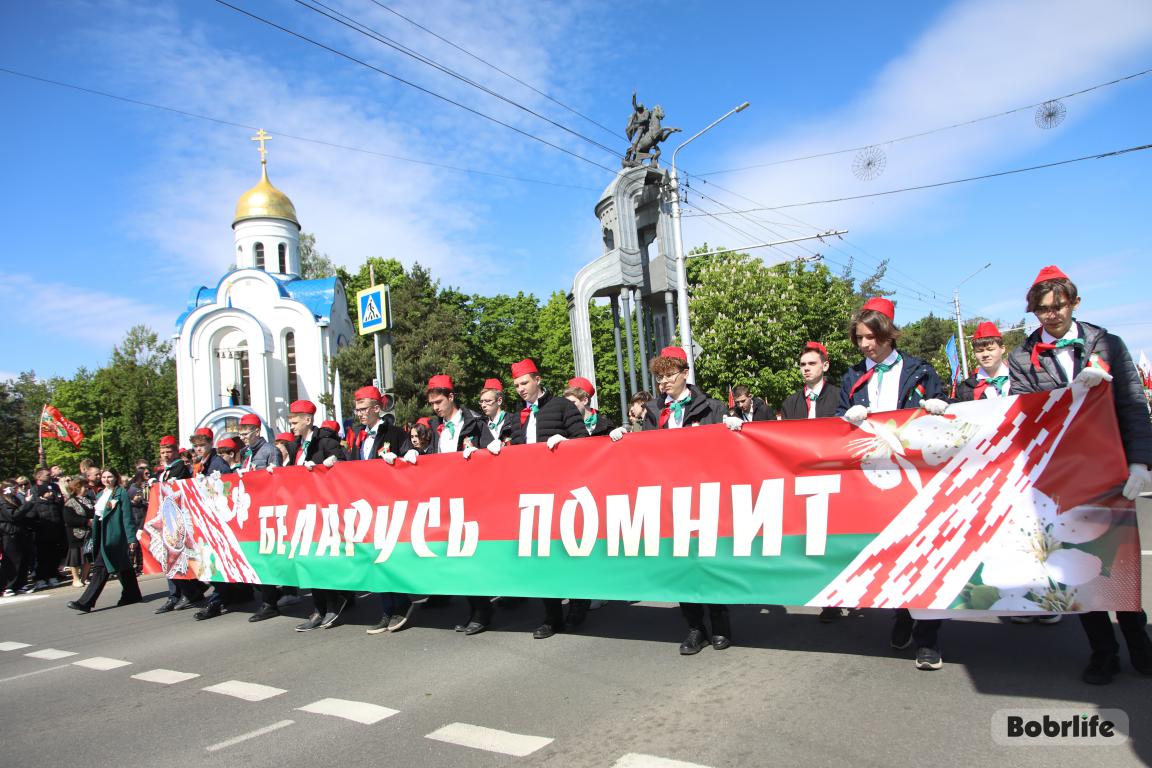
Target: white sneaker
(9, 593)
(27, 589)
(287, 601)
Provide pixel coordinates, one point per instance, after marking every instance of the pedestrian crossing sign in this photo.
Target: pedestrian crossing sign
(375, 309)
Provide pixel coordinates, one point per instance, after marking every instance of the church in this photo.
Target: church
(261, 337)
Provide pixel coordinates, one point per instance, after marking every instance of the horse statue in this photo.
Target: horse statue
(646, 133)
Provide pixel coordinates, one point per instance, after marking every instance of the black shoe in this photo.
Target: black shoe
(210, 611)
(829, 615)
(545, 631)
(331, 617)
(1101, 669)
(577, 612)
(400, 620)
(184, 603)
(381, 626)
(265, 612)
(129, 601)
(1140, 653)
(902, 630)
(719, 642)
(313, 622)
(928, 658)
(474, 628)
(168, 606)
(693, 643)
(77, 607)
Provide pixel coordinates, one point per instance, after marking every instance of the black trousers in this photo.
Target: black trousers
(98, 577)
(325, 600)
(270, 594)
(554, 610)
(51, 547)
(1101, 637)
(17, 551)
(480, 609)
(694, 615)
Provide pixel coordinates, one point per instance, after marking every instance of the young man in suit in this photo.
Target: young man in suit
(748, 408)
(817, 398)
(580, 392)
(498, 425)
(182, 593)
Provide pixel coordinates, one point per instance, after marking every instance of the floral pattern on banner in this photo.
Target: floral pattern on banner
(888, 454)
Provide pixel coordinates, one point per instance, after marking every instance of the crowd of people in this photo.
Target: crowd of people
(88, 522)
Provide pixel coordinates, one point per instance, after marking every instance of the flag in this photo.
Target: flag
(55, 427)
(731, 400)
(1145, 370)
(953, 360)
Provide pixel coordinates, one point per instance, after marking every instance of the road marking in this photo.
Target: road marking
(17, 599)
(653, 604)
(636, 760)
(164, 676)
(246, 691)
(250, 735)
(101, 663)
(51, 654)
(490, 739)
(37, 672)
(14, 646)
(356, 711)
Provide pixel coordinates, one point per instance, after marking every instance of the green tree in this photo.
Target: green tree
(313, 263)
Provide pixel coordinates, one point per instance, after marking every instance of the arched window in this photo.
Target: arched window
(290, 361)
(259, 251)
(283, 249)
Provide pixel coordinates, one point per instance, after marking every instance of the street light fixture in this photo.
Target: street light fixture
(678, 240)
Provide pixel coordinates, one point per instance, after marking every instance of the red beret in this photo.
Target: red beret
(425, 421)
(285, 437)
(331, 425)
(817, 346)
(676, 353)
(986, 330)
(229, 443)
(1051, 272)
(168, 440)
(302, 406)
(582, 383)
(250, 419)
(523, 367)
(441, 381)
(494, 384)
(881, 305)
(368, 393)
(203, 432)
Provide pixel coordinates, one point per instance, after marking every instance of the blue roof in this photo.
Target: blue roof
(317, 295)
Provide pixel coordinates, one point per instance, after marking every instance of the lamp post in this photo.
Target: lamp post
(678, 240)
(960, 319)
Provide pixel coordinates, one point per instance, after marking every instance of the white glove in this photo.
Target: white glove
(240, 472)
(554, 441)
(309, 465)
(856, 414)
(411, 456)
(1139, 478)
(1090, 377)
(330, 461)
(616, 434)
(468, 451)
(494, 447)
(934, 406)
(389, 458)
(151, 481)
(269, 468)
(734, 423)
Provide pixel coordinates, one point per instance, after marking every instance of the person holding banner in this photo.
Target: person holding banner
(550, 420)
(1064, 350)
(580, 392)
(207, 460)
(182, 593)
(498, 427)
(258, 453)
(815, 400)
(887, 380)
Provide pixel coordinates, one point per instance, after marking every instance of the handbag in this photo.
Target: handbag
(87, 550)
(79, 533)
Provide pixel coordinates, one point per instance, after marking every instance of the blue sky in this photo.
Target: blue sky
(113, 212)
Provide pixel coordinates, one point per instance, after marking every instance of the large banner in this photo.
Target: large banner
(1010, 504)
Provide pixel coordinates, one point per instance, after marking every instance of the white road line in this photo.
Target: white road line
(636, 760)
(51, 654)
(101, 663)
(14, 646)
(246, 691)
(164, 676)
(653, 604)
(17, 599)
(490, 739)
(1146, 551)
(37, 672)
(250, 735)
(356, 711)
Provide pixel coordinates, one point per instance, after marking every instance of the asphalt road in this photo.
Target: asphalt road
(790, 692)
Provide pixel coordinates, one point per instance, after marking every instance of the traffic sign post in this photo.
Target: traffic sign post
(374, 316)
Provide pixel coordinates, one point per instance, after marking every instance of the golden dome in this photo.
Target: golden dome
(264, 201)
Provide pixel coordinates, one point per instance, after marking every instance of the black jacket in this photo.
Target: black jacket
(554, 416)
(14, 520)
(966, 390)
(178, 470)
(215, 463)
(504, 434)
(386, 432)
(795, 406)
(45, 503)
(702, 410)
(324, 443)
(473, 428)
(918, 381)
(77, 513)
(1127, 388)
(761, 411)
(604, 425)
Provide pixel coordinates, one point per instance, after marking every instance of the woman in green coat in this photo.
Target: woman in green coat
(113, 544)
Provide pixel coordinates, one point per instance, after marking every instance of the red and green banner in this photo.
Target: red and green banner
(1011, 504)
(54, 426)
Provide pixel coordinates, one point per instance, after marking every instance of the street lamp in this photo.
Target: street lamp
(678, 239)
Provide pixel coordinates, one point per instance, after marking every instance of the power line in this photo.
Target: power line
(321, 142)
(933, 130)
(411, 84)
(1100, 156)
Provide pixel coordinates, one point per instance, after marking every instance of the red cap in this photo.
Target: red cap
(881, 305)
(168, 440)
(1051, 272)
(986, 330)
(331, 425)
(677, 353)
(368, 393)
(302, 406)
(425, 421)
(582, 383)
(250, 419)
(441, 381)
(523, 367)
(817, 346)
(230, 443)
(285, 437)
(203, 432)
(494, 384)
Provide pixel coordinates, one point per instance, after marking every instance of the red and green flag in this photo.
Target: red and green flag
(54, 426)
